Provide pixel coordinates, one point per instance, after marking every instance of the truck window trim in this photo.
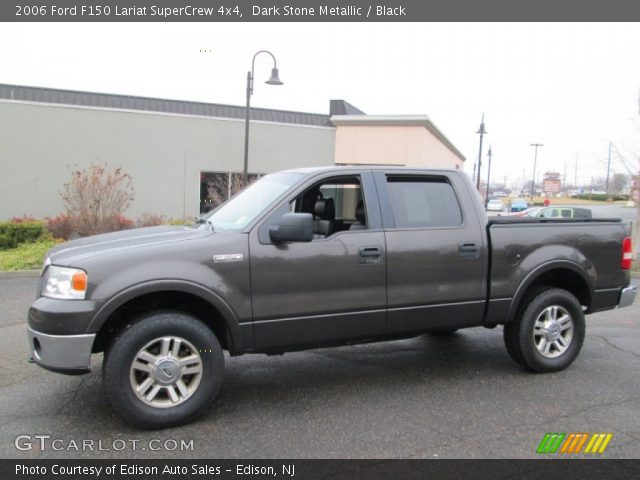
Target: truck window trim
(388, 217)
(368, 188)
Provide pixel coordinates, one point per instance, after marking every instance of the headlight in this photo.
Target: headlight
(47, 262)
(64, 283)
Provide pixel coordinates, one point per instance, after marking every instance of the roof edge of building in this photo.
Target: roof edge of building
(126, 102)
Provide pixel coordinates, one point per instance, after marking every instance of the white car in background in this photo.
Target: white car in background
(495, 205)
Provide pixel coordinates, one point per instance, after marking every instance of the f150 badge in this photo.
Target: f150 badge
(228, 258)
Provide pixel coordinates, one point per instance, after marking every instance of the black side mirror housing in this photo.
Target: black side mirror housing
(293, 227)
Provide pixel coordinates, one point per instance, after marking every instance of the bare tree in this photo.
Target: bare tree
(618, 183)
(96, 197)
(219, 190)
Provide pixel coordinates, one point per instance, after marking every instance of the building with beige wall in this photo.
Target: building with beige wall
(405, 140)
(172, 148)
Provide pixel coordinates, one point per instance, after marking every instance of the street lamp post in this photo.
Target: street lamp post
(486, 196)
(535, 160)
(273, 80)
(482, 132)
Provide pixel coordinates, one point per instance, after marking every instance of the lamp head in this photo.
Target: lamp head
(275, 78)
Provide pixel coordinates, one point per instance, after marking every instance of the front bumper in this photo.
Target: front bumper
(627, 296)
(70, 354)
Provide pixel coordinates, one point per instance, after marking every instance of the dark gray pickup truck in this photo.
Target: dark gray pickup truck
(313, 258)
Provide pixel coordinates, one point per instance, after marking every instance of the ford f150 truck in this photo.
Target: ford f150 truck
(313, 258)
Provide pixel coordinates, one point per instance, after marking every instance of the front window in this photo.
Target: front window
(243, 208)
(336, 203)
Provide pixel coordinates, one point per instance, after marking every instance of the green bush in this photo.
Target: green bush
(177, 222)
(601, 197)
(26, 256)
(5, 241)
(14, 233)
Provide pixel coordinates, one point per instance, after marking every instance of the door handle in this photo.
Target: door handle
(468, 250)
(370, 251)
(370, 255)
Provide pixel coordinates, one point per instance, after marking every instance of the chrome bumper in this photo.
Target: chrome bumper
(61, 353)
(627, 296)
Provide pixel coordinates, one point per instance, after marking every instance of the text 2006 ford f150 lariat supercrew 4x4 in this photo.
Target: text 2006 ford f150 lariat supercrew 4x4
(311, 258)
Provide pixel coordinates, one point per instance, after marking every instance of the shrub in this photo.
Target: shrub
(13, 233)
(5, 241)
(118, 222)
(150, 220)
(27, 255)
(178, 221)
(23, 219)
(96, 197)
(60, 226)
(602, 197)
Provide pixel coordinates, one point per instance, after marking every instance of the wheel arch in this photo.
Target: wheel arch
(559, 274)
(181, 295)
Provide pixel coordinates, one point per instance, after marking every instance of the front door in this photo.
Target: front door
(330, 290)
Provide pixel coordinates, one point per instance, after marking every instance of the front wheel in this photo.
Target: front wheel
(548, 335)
(164, 370)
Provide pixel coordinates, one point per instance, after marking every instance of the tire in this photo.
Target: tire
(163, 370)
(548, 333)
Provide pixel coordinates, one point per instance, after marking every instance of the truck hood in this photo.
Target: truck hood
(68, 253)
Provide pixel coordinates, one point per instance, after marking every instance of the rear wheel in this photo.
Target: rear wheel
(548, 333)
(164, 370)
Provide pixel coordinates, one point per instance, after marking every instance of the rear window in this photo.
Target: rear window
(423, 202)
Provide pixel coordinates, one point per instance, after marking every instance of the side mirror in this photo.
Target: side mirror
(293, 227)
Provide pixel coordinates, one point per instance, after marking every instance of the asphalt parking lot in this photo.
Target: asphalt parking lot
(449, 397)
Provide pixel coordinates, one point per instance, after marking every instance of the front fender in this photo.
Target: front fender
(174, 285)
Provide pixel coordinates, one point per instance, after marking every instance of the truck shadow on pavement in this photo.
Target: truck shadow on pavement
(258, 385)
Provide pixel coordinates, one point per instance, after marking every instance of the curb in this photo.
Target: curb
(20, 273)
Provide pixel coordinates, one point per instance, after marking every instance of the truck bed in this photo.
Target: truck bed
(587, 252)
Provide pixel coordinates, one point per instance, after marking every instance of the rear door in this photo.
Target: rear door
(327, 291)
(435, 252)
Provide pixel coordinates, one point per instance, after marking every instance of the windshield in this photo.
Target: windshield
(240, 210)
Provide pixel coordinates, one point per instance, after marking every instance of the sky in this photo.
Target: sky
(572, 87)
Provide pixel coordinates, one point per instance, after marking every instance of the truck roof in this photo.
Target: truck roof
(365, 167)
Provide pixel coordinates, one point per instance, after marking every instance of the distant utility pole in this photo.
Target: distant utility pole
(535, 160)
(481, 131)
(608, 169)
(486, 195)
(564, 180)
(575, 174)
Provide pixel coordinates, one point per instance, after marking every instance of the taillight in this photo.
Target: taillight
(627, 253)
